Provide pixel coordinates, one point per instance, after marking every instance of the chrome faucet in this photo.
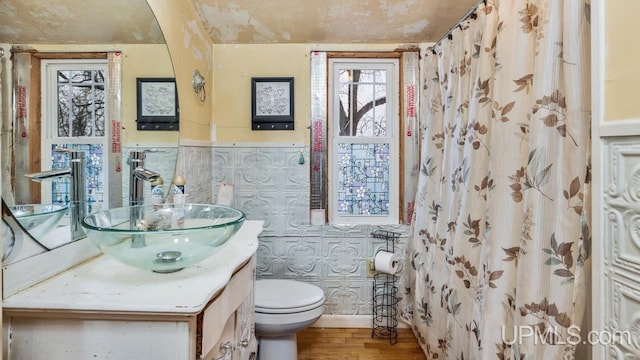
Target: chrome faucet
(137, 176)
(77, 193)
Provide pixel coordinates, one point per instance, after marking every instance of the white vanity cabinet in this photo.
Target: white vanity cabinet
(235, 337)
(106, 310)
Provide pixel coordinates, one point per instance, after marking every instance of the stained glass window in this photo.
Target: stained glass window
(94, 156)
(363, 179)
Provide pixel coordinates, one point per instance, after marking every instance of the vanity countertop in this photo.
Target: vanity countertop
(105, 285)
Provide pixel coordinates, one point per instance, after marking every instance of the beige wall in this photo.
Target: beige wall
(235, 65)
(142, 61)
(228, 70)
(190, 50)
(622, 60)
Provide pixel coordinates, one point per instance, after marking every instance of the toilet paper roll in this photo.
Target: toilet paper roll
(386, 262)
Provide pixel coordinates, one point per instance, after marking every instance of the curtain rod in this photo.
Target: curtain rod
(469, 13)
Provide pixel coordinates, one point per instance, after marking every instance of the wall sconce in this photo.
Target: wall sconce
(198, 85)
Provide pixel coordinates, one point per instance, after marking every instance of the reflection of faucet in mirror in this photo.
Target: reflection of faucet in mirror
(77, 196)
(139, 40)
(138, 175)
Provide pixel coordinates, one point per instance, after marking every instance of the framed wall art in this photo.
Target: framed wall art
(272, 103)
(157, 104)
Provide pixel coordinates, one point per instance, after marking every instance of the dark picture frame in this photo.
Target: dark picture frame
(157, 104)
(272, 103)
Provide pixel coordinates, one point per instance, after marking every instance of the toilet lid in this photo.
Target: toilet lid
(273, 295)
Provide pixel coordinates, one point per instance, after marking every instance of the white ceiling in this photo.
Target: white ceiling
(233, 21)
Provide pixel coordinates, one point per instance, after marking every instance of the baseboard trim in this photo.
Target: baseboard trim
(348, 321)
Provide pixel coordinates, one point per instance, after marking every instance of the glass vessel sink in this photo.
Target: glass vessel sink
(38, 219)
(164, 239)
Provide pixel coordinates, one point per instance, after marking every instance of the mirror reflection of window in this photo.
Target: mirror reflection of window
(94, 176)
(74, 117)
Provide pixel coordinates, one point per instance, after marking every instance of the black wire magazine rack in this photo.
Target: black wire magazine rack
(385, 311)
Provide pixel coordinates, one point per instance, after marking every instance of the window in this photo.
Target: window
(74, 116)
(363, 141)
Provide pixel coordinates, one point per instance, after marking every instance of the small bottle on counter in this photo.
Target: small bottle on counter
(157, 194)
(179, 195)
(179, 199)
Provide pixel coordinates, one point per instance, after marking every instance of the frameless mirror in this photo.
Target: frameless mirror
(68, 83)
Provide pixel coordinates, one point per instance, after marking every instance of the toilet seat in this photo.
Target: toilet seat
(282, 308)
(280, 296)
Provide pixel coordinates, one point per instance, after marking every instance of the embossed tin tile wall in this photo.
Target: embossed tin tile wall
(271, 185)
(162, 162)
(194, 163)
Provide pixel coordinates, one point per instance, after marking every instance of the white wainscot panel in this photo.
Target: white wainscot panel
(623, 319)
(621, 215)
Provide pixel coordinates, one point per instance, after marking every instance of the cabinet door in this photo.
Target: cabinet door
(224, 348)
(81, 339)
(245, 327)
(236, 305)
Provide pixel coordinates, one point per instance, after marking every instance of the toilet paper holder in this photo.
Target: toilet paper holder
(385, 262)
(384, 253)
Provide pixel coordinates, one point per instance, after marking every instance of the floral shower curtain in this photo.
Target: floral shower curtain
(498, 255)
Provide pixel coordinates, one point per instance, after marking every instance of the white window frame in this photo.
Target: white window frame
(49, 133)
(392, 138)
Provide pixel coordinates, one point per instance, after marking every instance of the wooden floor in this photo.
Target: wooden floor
(355, 344)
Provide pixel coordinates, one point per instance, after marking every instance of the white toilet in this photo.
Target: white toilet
(284, 307)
